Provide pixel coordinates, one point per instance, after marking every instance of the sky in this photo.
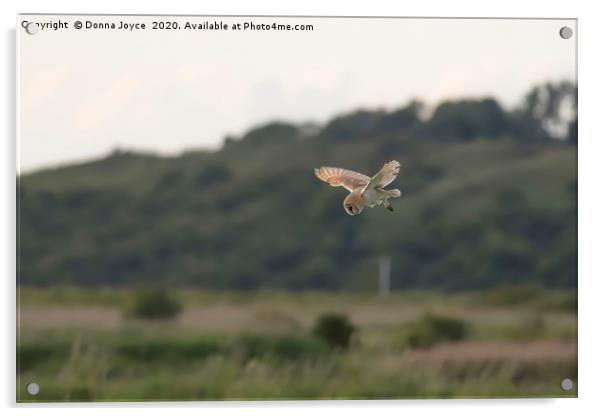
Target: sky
(83, 93)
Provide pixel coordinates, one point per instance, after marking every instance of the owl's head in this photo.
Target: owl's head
(352, 209)
(354, 204)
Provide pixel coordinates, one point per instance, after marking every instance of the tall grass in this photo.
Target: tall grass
(165, 360)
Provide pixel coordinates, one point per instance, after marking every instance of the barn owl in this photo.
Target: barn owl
(364, 191)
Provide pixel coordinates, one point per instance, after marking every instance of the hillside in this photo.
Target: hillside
(488, 200)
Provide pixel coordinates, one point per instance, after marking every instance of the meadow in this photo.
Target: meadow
(86, 345)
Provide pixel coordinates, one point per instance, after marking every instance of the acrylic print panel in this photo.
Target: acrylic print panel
(276, 208)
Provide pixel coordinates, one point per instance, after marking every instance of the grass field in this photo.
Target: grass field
(83, 345)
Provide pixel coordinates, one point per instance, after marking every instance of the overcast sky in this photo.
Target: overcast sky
(83, 93)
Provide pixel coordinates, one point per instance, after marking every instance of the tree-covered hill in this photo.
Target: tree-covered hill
(489, 198)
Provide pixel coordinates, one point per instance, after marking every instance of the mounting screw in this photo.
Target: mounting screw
(566, 32)
(566, 384)
(32, 28)
(33, 389)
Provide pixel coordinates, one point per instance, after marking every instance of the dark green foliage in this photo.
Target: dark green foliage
(539, 116)
(292, 347)
(484, 203)
(213, 174)
(80, 394)
(155, 304)
(179, 349)
(165, 349)
(354, 125)
(431, 330)
(403, 119)
(31, 355)
(334, 329)
(572, 133)
(468, 120)
(271, 134)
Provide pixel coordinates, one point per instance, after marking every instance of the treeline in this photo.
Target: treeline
(489, 198)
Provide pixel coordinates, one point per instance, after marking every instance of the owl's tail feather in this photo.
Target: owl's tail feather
(392, 193)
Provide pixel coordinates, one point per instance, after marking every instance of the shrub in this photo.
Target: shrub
(155, 304)
(430, 330)
(334, 329)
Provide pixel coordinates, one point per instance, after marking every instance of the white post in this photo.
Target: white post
(384, 275)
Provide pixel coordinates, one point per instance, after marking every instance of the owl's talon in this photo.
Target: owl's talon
(390, 208)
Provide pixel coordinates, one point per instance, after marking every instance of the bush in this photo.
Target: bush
(334, 329)
(430, 330)
(155, 304)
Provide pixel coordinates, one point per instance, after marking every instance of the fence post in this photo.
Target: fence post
(384, 275)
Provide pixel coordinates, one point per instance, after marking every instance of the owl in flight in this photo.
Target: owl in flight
(364, 191)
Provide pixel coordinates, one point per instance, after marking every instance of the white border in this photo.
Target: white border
(590, 209)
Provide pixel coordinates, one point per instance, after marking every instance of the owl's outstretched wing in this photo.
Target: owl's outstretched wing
(385, 176)
(348, 179)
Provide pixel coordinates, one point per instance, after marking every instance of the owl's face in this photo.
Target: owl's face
(352, 209)
(354, 203)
